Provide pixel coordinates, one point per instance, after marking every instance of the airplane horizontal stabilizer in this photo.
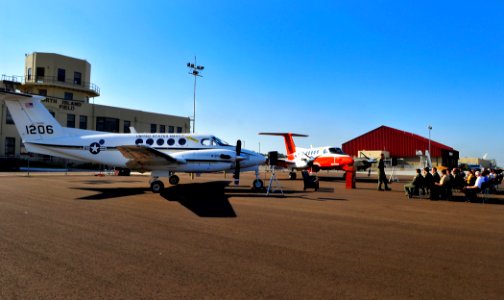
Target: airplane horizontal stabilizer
(283, 134)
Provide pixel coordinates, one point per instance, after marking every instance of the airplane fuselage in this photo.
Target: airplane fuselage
(200, 153)
(322, 158)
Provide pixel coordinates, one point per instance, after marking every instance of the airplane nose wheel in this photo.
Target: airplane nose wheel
(258, 185)
(157, 186)
(174, 180)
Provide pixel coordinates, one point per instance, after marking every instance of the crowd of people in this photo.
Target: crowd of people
(429, 182)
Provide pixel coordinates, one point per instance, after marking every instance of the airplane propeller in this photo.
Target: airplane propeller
(236, 175)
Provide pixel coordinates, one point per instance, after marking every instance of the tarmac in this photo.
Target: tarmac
(86, 237)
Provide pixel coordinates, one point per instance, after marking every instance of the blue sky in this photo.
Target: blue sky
(330, 69)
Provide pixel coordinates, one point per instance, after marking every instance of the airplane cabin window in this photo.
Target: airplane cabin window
(206, 142)
(182, 141)
(139, 141)
(150, 141)
(160, 142)
(170, 142)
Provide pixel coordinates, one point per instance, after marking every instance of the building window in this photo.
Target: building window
(153, 128)
(77, 78)
(8, 117)
(39, 75)
(83, 122)
(162, 128)
(171, 129)
(29, 74)
(126, 127)
(10, 146)
(61, 75)
(179, 129)
(42, 92)
(71, 120)
(107, 124)
(68, 96)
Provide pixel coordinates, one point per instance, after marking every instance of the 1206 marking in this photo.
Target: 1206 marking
(39, 129)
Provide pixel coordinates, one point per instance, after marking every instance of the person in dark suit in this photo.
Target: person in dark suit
(435, 175)
(428, 181)
(435, 179)
(382, 178)
(415, 185)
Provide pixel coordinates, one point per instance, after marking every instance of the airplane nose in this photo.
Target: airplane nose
(260, 159)
(348, 161)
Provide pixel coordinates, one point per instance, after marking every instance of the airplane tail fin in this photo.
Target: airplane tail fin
(33, 121)
(290, 146)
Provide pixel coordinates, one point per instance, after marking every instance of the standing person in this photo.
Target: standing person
(382, 178)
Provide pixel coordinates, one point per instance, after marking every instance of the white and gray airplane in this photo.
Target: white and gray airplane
(161, 153)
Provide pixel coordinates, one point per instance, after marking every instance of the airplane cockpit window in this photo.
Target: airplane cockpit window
(170, 142)
(150, 141)
(220, 142)
(182, 141)
(139, 141)
(336, 151)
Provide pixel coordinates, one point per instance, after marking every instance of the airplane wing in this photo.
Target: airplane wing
(142, 156)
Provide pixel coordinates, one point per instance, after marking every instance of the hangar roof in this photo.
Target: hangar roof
(397, 142)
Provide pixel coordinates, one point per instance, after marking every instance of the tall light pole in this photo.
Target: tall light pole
(430, 128)
(195, 71)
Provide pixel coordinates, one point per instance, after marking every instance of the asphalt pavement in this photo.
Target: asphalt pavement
(88, 237)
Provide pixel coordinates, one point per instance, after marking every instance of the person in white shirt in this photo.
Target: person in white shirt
(470, 191)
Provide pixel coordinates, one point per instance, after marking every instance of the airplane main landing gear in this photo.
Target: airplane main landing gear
(292, 175)
(173, 179)
(257, 184)
(156, 185)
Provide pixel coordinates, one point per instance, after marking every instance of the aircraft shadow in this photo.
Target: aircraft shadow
(209, 199)
(203, 199)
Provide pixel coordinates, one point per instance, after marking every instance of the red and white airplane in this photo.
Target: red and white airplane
(314, 159)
